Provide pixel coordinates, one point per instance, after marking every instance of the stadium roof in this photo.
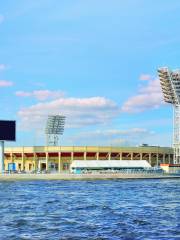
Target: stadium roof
(110, 164)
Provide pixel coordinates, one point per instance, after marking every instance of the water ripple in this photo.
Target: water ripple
(107, 210)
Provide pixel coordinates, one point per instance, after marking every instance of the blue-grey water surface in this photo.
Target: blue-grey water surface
(109, 209)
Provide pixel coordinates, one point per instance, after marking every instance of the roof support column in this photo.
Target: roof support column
(164, 157)
(47, 161)
(72, 157)
(150, 159)
(132, 156)
(157, 159)
(35, 161)
(97, 155)
(85, 155)
(2, 157)
(22, 161)
(169, 158)
(11, 157)
(120, 156)
(59, 162)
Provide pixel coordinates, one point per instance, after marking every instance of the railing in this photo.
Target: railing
(151, 171)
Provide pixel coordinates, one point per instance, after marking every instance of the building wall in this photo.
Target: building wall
(171, 168)
(30, 158)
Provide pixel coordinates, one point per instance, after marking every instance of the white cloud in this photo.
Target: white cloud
(41, 94)
(133, 136)
(1, 18)
(79, 112)
(4, 83)
(116, 132)
(23, 94)
(2, 67)
(145, 77)
(148, 97)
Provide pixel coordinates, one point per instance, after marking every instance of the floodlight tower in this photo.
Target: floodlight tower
(54, 128)
(170, 84)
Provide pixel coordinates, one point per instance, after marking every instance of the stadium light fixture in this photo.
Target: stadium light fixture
(54, 128)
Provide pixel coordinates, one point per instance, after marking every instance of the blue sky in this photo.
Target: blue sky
(93, 61)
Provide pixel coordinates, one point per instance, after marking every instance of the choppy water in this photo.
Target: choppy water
(118, 209)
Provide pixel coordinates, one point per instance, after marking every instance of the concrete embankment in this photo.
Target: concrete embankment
(68, 176)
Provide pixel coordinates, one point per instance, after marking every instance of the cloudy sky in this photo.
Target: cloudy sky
(94, 61)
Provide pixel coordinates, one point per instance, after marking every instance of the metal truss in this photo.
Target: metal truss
(170, 84)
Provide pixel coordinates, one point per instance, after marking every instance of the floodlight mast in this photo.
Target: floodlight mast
(54, 128)
(170, 84)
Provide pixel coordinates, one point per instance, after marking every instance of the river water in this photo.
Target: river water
(104, 209)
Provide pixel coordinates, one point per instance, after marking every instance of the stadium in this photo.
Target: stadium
(59, 159)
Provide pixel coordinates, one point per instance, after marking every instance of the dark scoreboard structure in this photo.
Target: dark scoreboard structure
(7, 130)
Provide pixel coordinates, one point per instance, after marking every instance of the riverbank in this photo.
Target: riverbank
(95, 176)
